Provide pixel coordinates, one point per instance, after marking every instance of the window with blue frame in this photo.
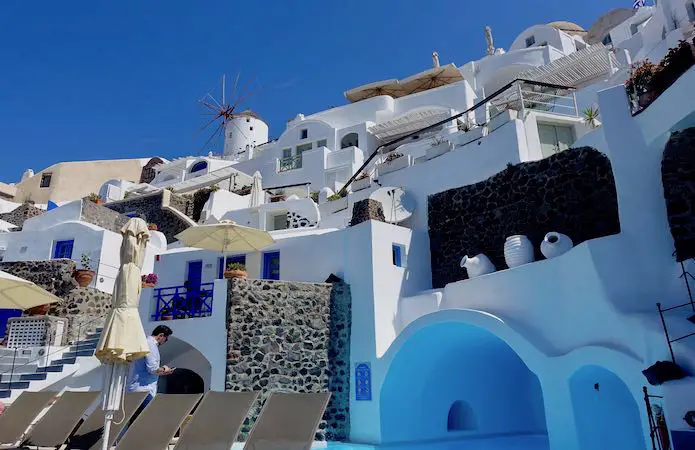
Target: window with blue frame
(398, 255)
(200, 165)
(271, 266)
(63, 249)
(241, 259)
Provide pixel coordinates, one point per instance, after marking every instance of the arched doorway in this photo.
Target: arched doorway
(605, 412)
(350, 140)
(193, 370)
(184, 381)
(452, 381)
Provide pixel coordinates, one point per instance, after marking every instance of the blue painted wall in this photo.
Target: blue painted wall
(451, 362)
(607, 418)
(6, 314)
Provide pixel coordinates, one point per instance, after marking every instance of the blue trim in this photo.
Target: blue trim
(183, 302)
(397, 255)
(63, 249)
(271, 268)
(230, 260)
(197, 167)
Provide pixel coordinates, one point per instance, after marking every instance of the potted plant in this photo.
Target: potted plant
(438, 147)
(95, 198)
(279, 196)
(591, 116)
(150, 280)
(315, 197)
(639, 86)
(363, 181)
(165, 314)
(40, 310)
(152, 227)
(394, 161)
(85, 275)
(337, 202)
(235, 270)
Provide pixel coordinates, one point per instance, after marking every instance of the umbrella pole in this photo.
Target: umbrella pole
(107, 430)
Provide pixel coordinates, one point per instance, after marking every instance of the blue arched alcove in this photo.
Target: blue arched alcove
(453, 380)
(605, 412)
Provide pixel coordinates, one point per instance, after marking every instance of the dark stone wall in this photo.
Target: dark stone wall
(367, 209)
(149, 208)
(678, 178)
(54, 275)
(102, 216)
(85, 309)
(286, 336)
(572, 192)
(20, 214)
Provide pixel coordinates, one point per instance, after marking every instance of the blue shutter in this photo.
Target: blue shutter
(396, 254)
(63, 249)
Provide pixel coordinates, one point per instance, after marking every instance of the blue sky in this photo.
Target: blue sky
(86, 80)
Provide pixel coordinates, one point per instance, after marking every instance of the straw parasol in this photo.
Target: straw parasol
(18, 293)
(123, 339)
(257, 194)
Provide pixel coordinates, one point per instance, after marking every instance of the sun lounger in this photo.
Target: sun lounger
(288, 422)
(21, 413)
(158, 422)
(54, 428)
(216, 422)
(89, 435)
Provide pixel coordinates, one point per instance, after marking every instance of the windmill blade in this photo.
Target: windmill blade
(216, 102)
(240, 130)
(215, 133)
(246, 97)
(204, 127)
(210, 107)
(236, 83)
(241, 94)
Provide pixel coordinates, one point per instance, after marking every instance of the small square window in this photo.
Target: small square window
(530, 41)
(303, 134)
(63, 249)
(280, 222)
(251, 128)
(398, 255)
(607, 40)
(46, 180)
(286, 152)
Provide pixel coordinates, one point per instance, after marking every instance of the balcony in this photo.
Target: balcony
(290, 163)
(182, 302)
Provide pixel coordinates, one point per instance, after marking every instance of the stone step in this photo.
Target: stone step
(52, 368)
(87, 352)
(6, 378)
(63, 361)
(24, 368)
(14, 385)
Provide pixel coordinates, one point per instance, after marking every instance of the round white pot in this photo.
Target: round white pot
(477, 265)
(518, 251)
(555, 244)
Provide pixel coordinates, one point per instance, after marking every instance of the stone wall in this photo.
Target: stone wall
(149, 208)
(367, 209)
(286, 336)
(85, 309)
(572, 192)
(103, 217)
(295, 220)
(20, 214)
(678, 177)
(53, 275)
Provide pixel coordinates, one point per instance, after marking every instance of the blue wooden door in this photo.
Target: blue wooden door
(271, 266)
(194, 278)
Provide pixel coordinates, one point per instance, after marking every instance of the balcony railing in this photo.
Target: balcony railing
(183, 302)
(291, 163)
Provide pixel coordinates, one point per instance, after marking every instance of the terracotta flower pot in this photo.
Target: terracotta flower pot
(646, 98)
(167, 317)
(229, 274)
(84, 277)
(40, 310)
(148, 285)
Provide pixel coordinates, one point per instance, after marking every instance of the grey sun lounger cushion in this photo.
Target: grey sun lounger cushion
(288, 422)
(19, 415)
(217, 421)
(157, 424)
(54, 428)
(89, 435)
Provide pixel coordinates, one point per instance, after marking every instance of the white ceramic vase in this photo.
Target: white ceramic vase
(555, 244)
(477, 265)
(518, 251)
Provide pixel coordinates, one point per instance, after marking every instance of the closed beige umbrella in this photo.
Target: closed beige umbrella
(18, 293)
(123, 339)
(225, 236)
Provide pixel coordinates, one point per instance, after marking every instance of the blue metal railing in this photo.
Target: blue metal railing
(183, 302)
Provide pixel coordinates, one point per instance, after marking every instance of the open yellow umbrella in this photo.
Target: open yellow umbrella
(123, 339)
(225, 236)
(18, 293)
